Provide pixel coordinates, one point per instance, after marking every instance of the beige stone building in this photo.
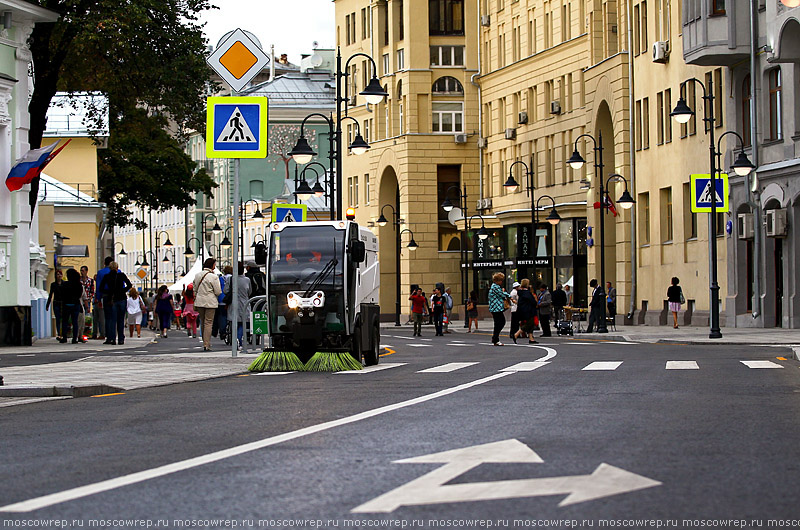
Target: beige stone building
(423, 137)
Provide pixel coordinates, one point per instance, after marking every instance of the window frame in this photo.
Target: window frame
(454, 114)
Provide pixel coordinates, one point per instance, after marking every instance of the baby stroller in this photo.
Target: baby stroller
(563, 324)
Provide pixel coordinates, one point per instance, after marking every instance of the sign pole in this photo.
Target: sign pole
(235, 275)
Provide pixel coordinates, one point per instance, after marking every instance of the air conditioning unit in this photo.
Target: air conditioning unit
(511, 134)
(776, 222)
(660, 52)
(460, 138)
(484, 204)
(745, 226)
(523, 118)
(483, 143)
(555, 107)
(485, 20)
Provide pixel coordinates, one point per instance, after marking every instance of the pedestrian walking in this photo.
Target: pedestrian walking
(71, 294)
(165, 309)
(135, 307)
(545, 303)
(88, 288)
(151, 308)
(206, 292)
(188, 312)
(179, 304)
(498, 298)
(244, 285)
(98, 315)
(514, 297)
(568, 292)
(101, 297)
(448, 309)
(471, 309)
(559, 302)
(54, 300)
(115, 286)
(676, 299)
(594, 306)
(225, 301)
(611, 300)
(417, 310)
(437, 310)
(526, 311)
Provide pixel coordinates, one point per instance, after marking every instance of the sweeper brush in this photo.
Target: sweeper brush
(276, 361)
(332, 362)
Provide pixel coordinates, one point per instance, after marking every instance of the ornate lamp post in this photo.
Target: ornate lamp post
(215, 230)
(448, 206)
(382, 221)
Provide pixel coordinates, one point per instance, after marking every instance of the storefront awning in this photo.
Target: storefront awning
(74, 251)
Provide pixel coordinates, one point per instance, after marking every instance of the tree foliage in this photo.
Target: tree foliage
(282, 139)
(148, 57)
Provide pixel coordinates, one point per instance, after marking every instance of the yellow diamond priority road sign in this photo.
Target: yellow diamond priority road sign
(238, 60)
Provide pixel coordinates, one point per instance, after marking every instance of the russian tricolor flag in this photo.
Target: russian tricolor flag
(31, 165)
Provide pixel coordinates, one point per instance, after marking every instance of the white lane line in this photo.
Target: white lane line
(134, 478)
(445, 368)
(682, 365)
(616, 342)
(603, 365)
(429, 340)
(580, 343)
(419, 345)
(26, 355)
(527, 366)
(140, 351)
(370, 369)
(386, 346)
(273, 373)
(761, 364)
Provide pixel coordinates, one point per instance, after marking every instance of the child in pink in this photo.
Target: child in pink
(188, 311)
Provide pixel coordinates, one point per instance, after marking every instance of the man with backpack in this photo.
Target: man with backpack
(258, 280)
(448, 307)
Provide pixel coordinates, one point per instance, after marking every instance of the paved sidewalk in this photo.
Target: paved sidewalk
(51, 345)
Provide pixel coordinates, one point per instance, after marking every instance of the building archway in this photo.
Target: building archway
(775, 285)
(388, 194)
(604, 127)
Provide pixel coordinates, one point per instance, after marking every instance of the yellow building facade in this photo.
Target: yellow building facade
(423, 137)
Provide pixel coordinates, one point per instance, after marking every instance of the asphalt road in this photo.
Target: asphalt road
(632, 444)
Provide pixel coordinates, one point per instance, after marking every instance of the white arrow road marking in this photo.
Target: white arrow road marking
(605, 481)
(449, 367)
(761, 364)
(603, 365)
(682, 365)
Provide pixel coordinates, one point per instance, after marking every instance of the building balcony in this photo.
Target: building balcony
(716, 39)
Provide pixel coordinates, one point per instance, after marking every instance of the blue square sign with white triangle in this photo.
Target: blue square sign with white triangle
(236, 127)
(702, 195)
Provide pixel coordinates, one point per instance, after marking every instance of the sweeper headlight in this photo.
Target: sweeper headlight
(297, 301)
(293, 300)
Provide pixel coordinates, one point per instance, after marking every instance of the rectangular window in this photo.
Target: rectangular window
(646, 123)
(666, 215)
(366, 131)
(448, 117)
(386, 64)
(638, 124)
(775, 105)
(401, 28)
(660, 118)
(667, 117)
(746, 102)
(347, 24)
(644, 215)
(645, 41)
(718, 111)
(401, 59)
(366, 189)
(364, 23)
(447, 56)
(692, 102)
(717, 7)
(637, 49)
(446, 17)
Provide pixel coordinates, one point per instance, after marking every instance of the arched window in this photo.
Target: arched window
(747, 96)
(448, 86)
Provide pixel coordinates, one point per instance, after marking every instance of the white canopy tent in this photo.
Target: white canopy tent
(181, 284)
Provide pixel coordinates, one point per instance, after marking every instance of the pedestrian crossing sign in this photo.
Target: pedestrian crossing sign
(288, 213)
(236, 127)
(702, 196)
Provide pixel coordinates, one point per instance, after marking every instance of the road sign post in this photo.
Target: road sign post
(236, 127)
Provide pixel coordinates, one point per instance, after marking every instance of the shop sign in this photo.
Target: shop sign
(523, 241)
(539, 262)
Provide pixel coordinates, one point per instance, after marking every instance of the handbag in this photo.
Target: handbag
(683, 299)
(470, 306)
(506, 304)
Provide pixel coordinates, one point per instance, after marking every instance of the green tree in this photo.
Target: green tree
(148, 57)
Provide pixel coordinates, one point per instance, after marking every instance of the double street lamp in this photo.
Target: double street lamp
(215, 230)
(742, 166)
(576, 161)
(167, 244)
(448, 206)
(511, 184)
(302, 153)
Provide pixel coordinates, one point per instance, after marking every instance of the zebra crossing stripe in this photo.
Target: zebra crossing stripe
(370, 369)
(603, 365)
(445, 368)
(527, 366)
(682, 365)
(761, 364)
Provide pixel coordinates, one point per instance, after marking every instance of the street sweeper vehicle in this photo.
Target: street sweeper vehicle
(323, 281)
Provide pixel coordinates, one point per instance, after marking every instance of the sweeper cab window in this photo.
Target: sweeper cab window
(303, 256)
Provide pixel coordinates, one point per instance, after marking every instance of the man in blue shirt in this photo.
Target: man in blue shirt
(108, 309)
(221, 318)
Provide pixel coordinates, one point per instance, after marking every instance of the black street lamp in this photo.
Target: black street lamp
(302, 152)
(215, 230)
(188, 253)
(553, 218)
(256, 215)
(742, 166)
(382, 221)
(412, 245)
(167, 244)
(448, 206)
(167, 260)
(576, 161)
(121, 252)
(482, 233)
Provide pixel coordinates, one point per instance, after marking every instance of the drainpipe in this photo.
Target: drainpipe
(632, 184)
(750, 181)
(480, 106)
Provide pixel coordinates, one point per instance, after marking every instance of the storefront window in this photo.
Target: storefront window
(511, 238)
(564, 238)
(581, 229)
